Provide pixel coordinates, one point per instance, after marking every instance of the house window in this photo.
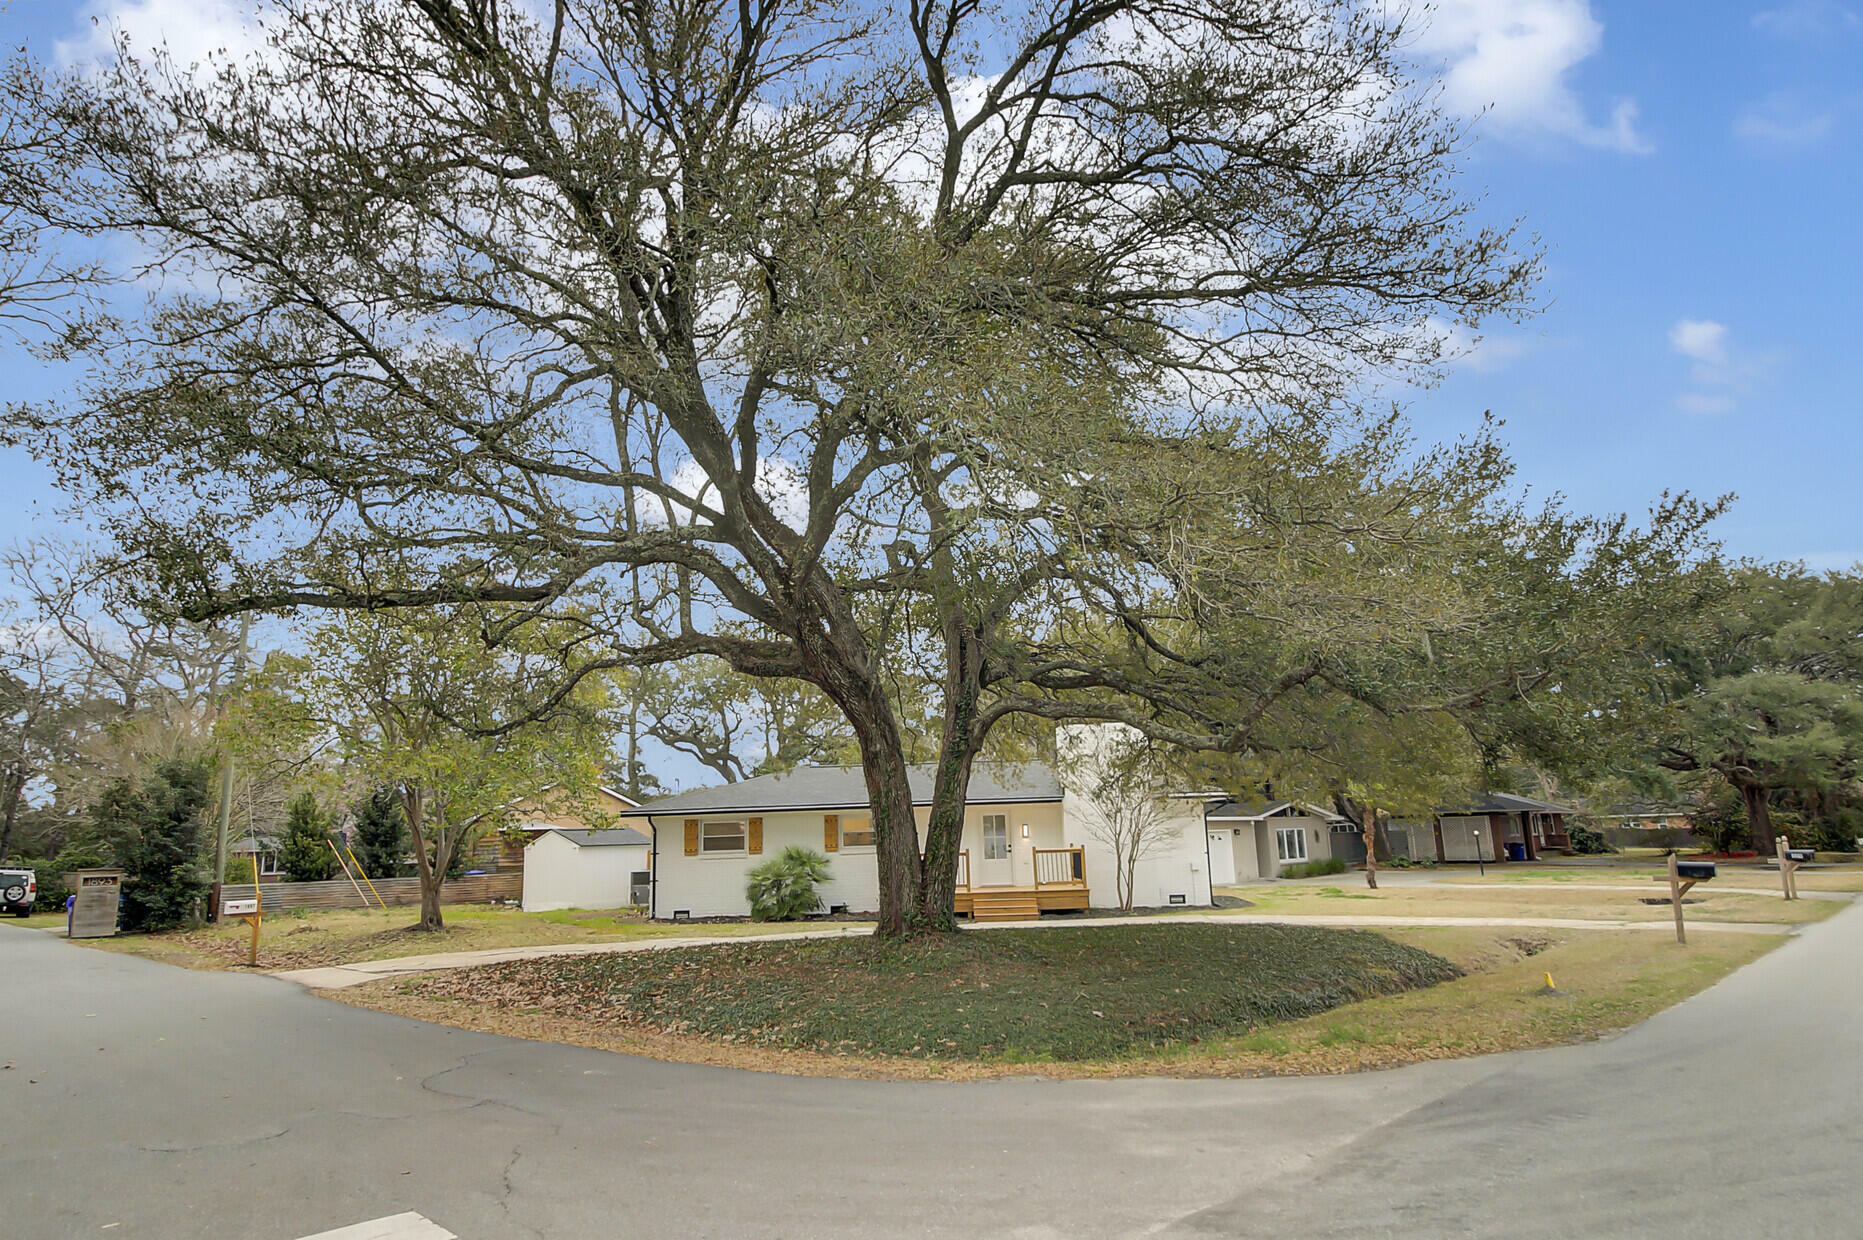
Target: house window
(722, 837)
(995, 837)
(857, 833)
(268, 863)
(1291, 842)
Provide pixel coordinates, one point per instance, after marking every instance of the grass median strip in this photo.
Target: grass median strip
(832, 1017)
(1057, 994)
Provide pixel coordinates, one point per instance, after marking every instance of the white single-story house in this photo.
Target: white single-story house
(566, 867)
(1259, 839)
(1029, 843)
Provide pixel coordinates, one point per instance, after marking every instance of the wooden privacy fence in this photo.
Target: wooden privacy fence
(341, 893)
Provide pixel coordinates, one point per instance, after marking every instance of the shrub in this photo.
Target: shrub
(1586, 841)
(304, 854)
(381, 834)
(783, 888)
(1313, 869)
(159, 843)
(1721, 821)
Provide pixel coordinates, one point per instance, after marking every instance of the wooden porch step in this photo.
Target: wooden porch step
(1004, 904)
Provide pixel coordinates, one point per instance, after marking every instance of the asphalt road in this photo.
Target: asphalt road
(146, 1101)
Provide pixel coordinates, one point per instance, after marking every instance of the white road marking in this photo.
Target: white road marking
(409, 1226)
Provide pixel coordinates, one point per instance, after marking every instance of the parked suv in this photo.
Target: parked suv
(18, 889)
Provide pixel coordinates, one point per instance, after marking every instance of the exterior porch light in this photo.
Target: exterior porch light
(1025, 830)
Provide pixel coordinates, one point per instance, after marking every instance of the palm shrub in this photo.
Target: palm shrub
(783, 888)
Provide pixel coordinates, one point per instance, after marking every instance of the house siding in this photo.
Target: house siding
(1319, 840)
(1178, 867)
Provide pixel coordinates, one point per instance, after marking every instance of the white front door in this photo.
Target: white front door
(1222, 856)
(995, 868)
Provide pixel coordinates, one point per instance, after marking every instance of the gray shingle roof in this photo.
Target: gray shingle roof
(614, 837)
(1504, 803)
(1252, 808)
(843, 787)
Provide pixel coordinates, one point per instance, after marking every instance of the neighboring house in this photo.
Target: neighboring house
(1260, 838)
(1027, 845)
(1647, 818)
(262, 851)
(569, 868)
(547, 811)
(1490, 826)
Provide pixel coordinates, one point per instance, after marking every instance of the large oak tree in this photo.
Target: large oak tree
(795, 334)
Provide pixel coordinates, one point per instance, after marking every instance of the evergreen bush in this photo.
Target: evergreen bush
(304, 854)
(160, 841)
(381, 843)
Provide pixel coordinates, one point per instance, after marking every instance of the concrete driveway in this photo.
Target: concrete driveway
(148, 1101)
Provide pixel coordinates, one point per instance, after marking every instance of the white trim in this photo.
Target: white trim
(1281, 835)
(743, 829)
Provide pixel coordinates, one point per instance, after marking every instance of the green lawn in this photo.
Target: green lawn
(1579, 901)
(1730, 874)
(1063, 994)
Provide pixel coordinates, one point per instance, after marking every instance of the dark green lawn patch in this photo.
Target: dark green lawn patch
(1097, 992)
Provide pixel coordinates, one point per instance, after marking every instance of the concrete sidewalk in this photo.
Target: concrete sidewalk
(341, 977)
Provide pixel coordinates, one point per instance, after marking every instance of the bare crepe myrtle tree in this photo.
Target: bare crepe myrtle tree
(804, 335)
(1123, 783)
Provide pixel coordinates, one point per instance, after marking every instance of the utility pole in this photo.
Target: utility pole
(226, 788)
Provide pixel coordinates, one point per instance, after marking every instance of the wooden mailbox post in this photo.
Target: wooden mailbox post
(1789, 861)
(1682, 876)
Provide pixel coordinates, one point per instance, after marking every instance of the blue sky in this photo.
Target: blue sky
(1692, 168)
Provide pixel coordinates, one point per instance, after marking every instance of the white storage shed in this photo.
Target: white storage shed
(567, 868)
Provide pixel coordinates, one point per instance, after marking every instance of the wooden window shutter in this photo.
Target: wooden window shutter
(831, 832)
(692, 837)
(754, 838)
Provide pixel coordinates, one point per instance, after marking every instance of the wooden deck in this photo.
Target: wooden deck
(1060, 885)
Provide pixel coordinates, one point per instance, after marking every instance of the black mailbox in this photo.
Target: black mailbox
(1800, 854)
(1697, 870)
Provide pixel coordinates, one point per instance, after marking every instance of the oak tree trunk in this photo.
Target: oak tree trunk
(944, 828)
(1759, 817)
(15, 789)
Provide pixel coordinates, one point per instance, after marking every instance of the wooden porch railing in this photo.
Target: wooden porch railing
(1060, 865)
(963, 868)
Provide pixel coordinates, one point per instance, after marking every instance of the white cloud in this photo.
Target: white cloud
(195, 32)
(779, 482)
(1484, 354)
(1832, 561)
(1702, 339)
(1783, 118)
(1512, 57)
(1719, 375)
(1807, 19)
